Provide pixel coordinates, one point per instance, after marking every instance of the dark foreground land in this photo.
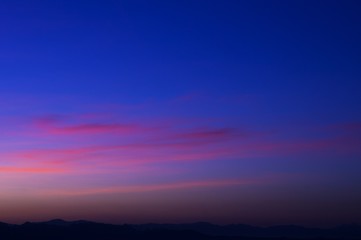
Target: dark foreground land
(79, 230)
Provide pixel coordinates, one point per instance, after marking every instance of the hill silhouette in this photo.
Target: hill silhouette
(59, 229)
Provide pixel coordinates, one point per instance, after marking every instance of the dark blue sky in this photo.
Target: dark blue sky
(272, 87)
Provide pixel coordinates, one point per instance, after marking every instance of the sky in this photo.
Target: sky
(181, 111)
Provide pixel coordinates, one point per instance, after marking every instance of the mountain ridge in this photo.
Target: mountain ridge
(83, 229)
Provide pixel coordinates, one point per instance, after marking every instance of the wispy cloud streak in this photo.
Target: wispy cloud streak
(155, 187)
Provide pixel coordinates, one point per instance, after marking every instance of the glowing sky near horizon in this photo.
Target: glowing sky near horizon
(180, 111)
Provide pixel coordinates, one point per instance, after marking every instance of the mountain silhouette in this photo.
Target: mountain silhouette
(59, 229)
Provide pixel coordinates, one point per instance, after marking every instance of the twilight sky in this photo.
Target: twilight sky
(180, 111)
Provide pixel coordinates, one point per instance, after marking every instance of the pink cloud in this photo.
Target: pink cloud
(125, 154)
(64, 125)
(35, 170)
(187, 150)
(94, 128)
(166, 145)
(110, 156)
(205, 134)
